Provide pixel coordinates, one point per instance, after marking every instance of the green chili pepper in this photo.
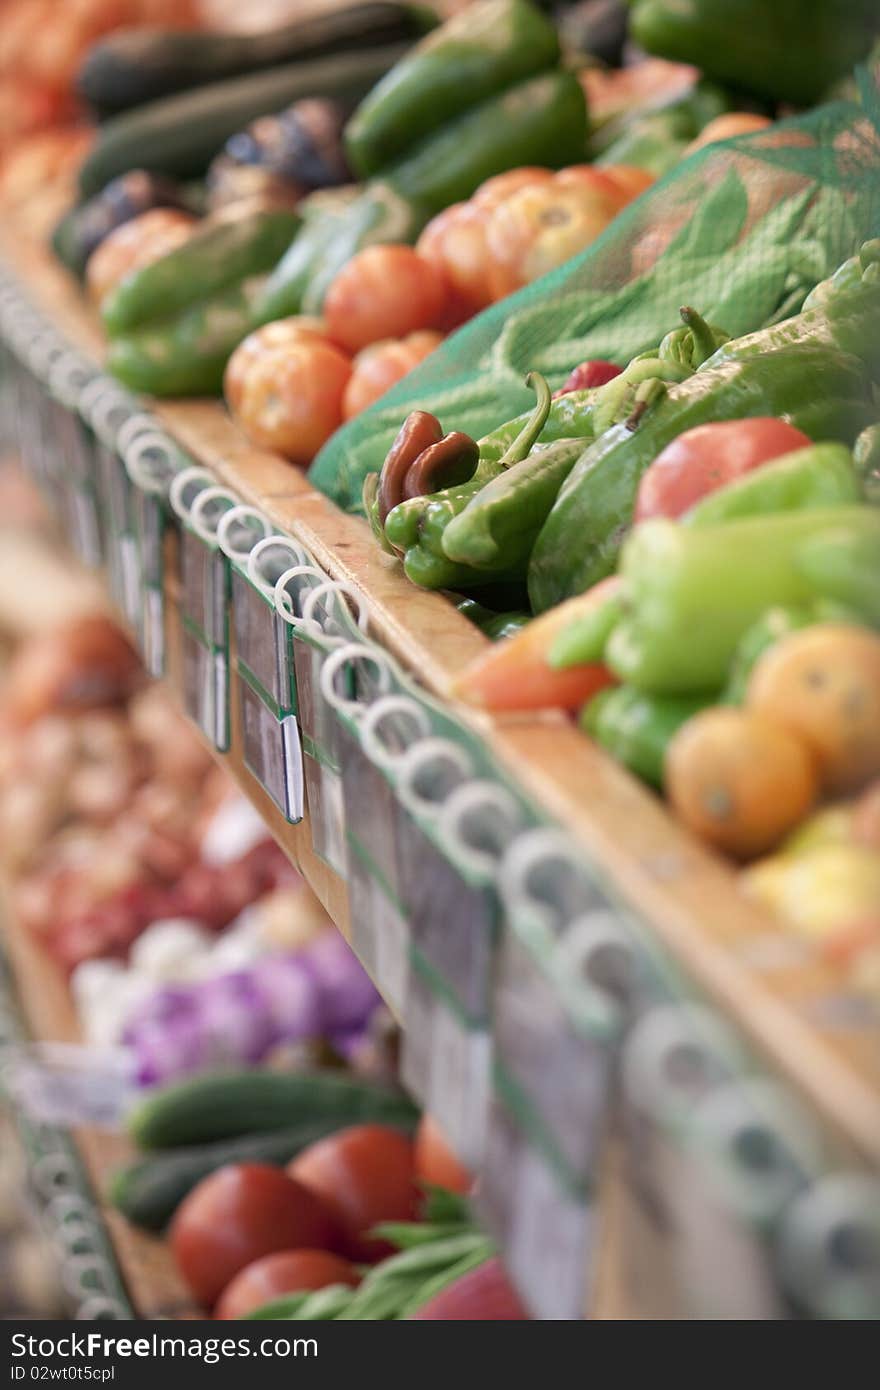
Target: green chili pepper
(769, 629)
(582, 642)
(636, 728)
(498, 527)
(822, 475)
(816, 370)
(693, 592)
(415, 528)
(494, 625)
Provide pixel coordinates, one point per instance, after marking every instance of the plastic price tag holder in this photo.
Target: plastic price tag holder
(369, 754)
(73, 464)
(204, 598)
(827, 1248)
(317, 612)
(20, 326)
(271, 743)
(707, 1171)
(545, 1225)
(452, 832)
(117, 424)
(151, 462)
(352, 676)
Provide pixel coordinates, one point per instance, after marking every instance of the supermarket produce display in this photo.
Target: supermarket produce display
(472, 415)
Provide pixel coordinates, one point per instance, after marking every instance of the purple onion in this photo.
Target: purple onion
(292, 997)
(235, 1016)
(348, 995)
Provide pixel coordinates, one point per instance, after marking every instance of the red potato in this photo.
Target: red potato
(363, 1175)
(706, 458)
(292, 398)
(280, 334)
(239, 1214)
(384, 292)
(379, 367)
(484, 1294)
(288, 1271)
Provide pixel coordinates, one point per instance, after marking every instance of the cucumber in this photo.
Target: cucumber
(180, 135)
(226, 1105)
(139, 65)
(149, 1191)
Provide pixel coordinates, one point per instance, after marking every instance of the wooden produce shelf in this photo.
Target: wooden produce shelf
(782, 998)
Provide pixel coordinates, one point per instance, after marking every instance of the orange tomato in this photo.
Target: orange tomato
(384, 292)
(739, 780)
(515, 673)
(543, 225)
(436, 1164)
(378, 367)
(823, 684)
(281, 333)
(292, 398)
(135, 244)
(629, 180)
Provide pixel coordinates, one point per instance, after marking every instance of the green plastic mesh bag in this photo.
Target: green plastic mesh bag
(741, 231)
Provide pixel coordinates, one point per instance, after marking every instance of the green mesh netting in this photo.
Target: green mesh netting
(741, 231)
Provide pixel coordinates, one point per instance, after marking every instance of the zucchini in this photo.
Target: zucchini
(149, 1191)
(135, 66)
(180, 135)
(226, 1105)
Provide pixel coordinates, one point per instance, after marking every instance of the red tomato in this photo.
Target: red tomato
(624, 182)
(587, 375)
(543, 225)
(237, 1215)
(709, 456)
(455, 242)
(363, 1175)
(292, 398)
(384, 292)
(290, 1271)
(134, 244)
(378, 367)
(435, 1162)
(257, 344)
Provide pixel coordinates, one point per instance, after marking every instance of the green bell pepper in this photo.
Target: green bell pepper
(471, 57)
(542, 120)
(693, 592)
(636, 728)
(822, 475)
(220, 253)
(816, 370)
(786, 50)
(187, 355)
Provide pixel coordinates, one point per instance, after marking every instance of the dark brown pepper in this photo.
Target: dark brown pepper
(447, 463)
(417, 433)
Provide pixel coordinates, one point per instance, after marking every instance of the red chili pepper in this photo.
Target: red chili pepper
(587, 375)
